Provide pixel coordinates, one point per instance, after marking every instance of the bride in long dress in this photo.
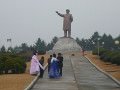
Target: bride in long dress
(35, 65)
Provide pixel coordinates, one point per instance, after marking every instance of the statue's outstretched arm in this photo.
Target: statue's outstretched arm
(59, 14)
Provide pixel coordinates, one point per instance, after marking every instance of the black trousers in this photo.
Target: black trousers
(60, 71)
(41, 73)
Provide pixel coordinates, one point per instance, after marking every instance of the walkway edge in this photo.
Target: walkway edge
(35, 79)
(32, 83)
(114, 79)
(72, 65)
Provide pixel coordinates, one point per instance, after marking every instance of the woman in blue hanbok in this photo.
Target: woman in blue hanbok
(53, 73)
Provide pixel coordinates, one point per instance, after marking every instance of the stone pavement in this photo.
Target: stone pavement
(67, 82)
(90, 78)
(78, 75)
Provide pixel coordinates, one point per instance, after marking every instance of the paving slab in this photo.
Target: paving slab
(90, 78)
(78, 74)
(66, 82)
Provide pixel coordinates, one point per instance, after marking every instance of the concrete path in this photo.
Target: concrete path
(89, 78)
(78, 74)
(67, 82)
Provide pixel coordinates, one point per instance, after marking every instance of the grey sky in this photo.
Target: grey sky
(26, 20)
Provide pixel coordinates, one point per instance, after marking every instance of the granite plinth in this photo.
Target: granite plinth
(65, 44)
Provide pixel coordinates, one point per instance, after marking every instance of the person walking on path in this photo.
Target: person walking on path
(41, 70)
(66, 22)
(53, 73)
(60, 63)
(34, 67)
(49, 61)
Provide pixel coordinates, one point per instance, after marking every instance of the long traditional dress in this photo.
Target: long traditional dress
(53, 73)
(34, 68)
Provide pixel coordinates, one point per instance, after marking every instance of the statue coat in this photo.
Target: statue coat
(67, 22)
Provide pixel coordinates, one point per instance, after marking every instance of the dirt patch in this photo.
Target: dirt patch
(17, 81)
(112, 69)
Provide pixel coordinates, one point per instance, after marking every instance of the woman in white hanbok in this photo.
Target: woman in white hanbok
(35, 65)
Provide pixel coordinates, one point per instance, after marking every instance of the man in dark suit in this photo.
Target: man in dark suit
(60, 63)
(41, 70)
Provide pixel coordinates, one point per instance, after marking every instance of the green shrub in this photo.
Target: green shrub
(26, 56)
(12, 62)
(95, 51)
(108, 55)
(101, 51)
(116, 59)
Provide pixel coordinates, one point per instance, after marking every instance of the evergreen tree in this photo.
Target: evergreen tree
(40, 46)
(52, 43)
(24, 47)
(108, 42)
(78, 40)
(55, 39)
(10, 49)
(94, 37)
(3, 50)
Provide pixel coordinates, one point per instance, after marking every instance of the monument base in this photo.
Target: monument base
(65, 44)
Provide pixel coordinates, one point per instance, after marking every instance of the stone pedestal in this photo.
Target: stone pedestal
(65, 44)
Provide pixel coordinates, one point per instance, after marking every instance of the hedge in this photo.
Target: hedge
(11, 63)
(108, 55)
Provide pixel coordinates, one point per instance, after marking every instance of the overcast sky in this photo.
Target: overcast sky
(27, 20)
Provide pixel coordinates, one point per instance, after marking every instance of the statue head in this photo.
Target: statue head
(67, 11)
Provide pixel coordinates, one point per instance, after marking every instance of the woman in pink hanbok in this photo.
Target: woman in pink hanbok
(35, 65)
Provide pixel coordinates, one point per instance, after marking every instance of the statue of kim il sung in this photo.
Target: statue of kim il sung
(67, 20)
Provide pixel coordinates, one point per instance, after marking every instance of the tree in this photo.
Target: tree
(94, 37)
(52, 43)
(3, 49)
(78, 40)
(55, 39)
(17, 49)
(24, 47)
(49, 46)
(118, 38)
(10, 49)
(40, 46)
(108, 41)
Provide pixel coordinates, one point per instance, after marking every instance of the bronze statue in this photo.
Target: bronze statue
(66, 22)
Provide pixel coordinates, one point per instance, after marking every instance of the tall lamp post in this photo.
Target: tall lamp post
(117, 42)
(98, 45)
(103, 44)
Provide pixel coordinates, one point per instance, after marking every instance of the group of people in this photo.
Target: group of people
(55, 65)
(37, 65)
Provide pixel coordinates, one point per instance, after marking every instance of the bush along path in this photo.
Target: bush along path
(108, 55)
(12, 63)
